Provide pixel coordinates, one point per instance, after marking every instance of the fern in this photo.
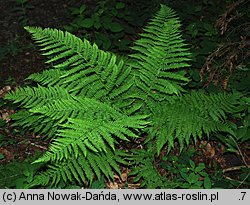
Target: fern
(192, 115)
(81, 68)
(160, 57)
(145, 171)
(91, 101)
(84, 135)
(80, 168)
(85, 132)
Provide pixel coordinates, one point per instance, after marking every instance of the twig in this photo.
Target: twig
(39, 146)
(243, 181)
(234, 168)
(240, 182)
(243, 158)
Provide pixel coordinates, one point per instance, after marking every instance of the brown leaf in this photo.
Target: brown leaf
(7, 154)
(112, 185)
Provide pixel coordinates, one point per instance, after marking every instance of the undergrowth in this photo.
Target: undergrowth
(91, 102)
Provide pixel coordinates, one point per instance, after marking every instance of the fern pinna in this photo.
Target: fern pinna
(92, 100)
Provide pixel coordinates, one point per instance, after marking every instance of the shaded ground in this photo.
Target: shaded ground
(22, 58)
(19, 58)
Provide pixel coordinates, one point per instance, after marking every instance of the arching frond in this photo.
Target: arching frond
(160, 57)
(80, 67)
(81, 169)
(192, 116)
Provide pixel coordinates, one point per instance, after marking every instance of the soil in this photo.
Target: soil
(22, 59)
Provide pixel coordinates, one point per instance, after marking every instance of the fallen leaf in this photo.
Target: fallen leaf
(112, 185)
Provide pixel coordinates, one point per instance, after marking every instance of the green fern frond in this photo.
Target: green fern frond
(47, 77)
(32, 122)
(90, 135)
(145, 171)
(84, 68)
(148, 175)
(160, 54)
(33, 99)
(30, 97)
(192, 115)
(81, 169)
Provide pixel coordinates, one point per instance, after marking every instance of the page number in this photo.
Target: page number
(243, 195)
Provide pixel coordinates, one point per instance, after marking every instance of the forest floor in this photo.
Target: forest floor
(19, 58)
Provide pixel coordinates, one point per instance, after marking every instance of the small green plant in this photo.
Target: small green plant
(92, 101)
(103, 26)
(110, 25)
(98, 184)
(10, 48)
(194, 176)
(180, 171)
(241, 129)
(17, 174)
(21, 8)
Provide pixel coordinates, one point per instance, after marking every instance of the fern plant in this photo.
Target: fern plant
(90, 101)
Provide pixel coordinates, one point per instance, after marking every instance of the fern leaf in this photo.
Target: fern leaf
(80, 62)
(82, 169)
(192, 115)
(160, 54)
